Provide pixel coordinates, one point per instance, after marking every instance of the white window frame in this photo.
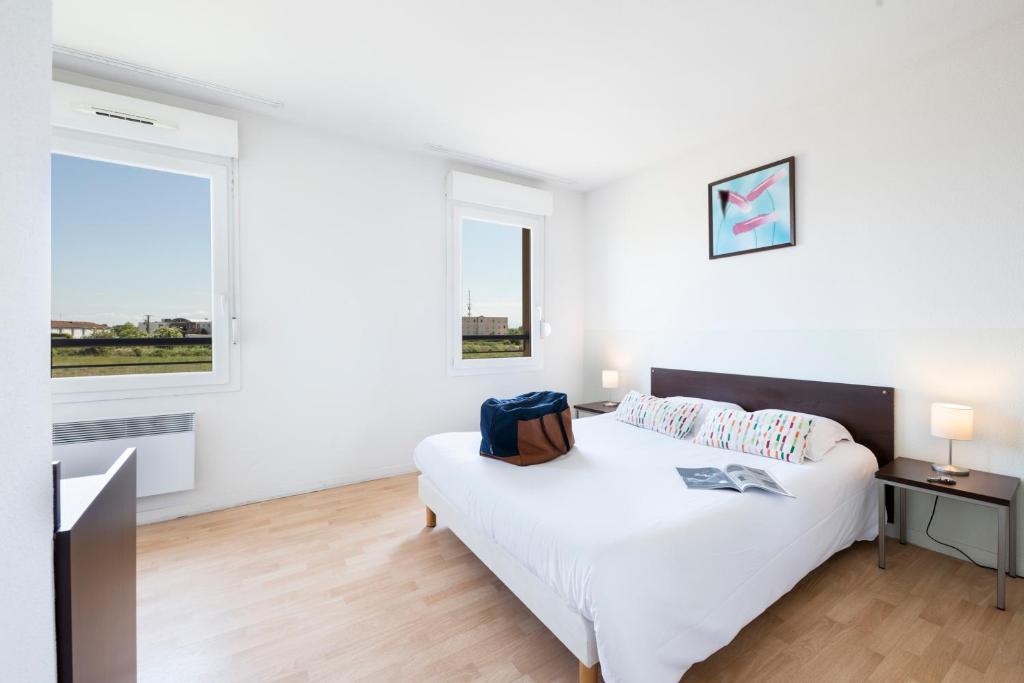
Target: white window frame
(457, 365)
(222, 172)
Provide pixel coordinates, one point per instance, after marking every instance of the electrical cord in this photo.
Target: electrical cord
(928, 533)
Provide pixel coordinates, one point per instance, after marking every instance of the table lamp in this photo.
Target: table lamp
(956, 423)
(610, 380)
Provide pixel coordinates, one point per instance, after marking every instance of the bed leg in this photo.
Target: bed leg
(590, 674)
(431, 517)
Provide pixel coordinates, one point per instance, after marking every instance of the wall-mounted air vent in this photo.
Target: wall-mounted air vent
(121, 428)
(123, 116)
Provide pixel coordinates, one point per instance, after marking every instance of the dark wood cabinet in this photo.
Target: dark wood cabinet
(94, 575)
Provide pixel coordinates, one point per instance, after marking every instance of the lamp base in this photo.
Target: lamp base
(951, 469)
(611, 404)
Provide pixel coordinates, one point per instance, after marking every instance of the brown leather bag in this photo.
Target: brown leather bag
(542, 439)
(526, 430)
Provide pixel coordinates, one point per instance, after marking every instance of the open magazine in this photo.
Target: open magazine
(736, 477)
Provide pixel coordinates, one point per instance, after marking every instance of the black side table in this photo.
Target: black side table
(597, 408)
(981, 488)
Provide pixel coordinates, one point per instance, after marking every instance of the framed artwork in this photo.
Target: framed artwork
(752, 211)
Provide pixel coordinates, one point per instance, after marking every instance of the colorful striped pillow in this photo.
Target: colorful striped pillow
(635, 409)
(724, 429)
(777, 434)
(666, 416)
(675, 418)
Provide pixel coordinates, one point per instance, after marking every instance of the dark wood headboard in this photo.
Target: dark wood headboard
(865, 410)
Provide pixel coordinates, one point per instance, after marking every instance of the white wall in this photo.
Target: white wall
(343, 310)
(907, 270)
(26, 492)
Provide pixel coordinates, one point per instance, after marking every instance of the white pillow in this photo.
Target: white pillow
(707, 408)
(826, 434)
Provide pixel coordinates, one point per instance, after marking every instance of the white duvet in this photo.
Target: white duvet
(667, 575)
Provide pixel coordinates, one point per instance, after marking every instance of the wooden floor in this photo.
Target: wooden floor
(347, 585)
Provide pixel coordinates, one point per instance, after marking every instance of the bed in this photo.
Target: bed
(628, 567)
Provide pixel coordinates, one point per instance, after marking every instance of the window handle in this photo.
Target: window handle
(232, 321)
(545, 326)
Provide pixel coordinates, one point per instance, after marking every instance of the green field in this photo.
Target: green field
(492, 349)
(135, 360)
(130, 361)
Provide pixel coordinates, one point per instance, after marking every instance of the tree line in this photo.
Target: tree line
(128, 331)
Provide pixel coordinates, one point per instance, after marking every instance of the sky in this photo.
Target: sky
(492, 268)
(128, 241)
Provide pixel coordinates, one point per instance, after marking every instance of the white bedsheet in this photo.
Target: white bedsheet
(667, 575)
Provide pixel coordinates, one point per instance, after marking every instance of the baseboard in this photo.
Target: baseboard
(919, 538)
(163, 514)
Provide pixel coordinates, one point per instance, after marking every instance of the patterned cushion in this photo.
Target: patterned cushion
(666, 416)
(777, 434)
(724, 429)
(634, 409)
(675, 418)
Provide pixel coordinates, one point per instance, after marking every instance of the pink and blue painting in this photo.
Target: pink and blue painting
(752, 211)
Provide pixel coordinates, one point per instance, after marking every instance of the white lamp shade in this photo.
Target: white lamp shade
(952, 421)
(610, 379)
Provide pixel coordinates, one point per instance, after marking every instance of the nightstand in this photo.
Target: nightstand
(598, 408)
(981, 488)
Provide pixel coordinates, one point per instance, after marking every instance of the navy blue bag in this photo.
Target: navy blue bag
(526, 430)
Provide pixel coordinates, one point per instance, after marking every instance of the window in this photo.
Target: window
(142, 277)
(495, 284)
(496, 264)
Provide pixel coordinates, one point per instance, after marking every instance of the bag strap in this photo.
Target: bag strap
(565, 437)
(551, 442)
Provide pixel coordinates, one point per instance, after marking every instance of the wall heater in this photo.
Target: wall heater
(166, 449)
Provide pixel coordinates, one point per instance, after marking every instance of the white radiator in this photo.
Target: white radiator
(166, 449)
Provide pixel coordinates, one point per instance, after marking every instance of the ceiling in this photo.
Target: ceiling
(583, 90)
